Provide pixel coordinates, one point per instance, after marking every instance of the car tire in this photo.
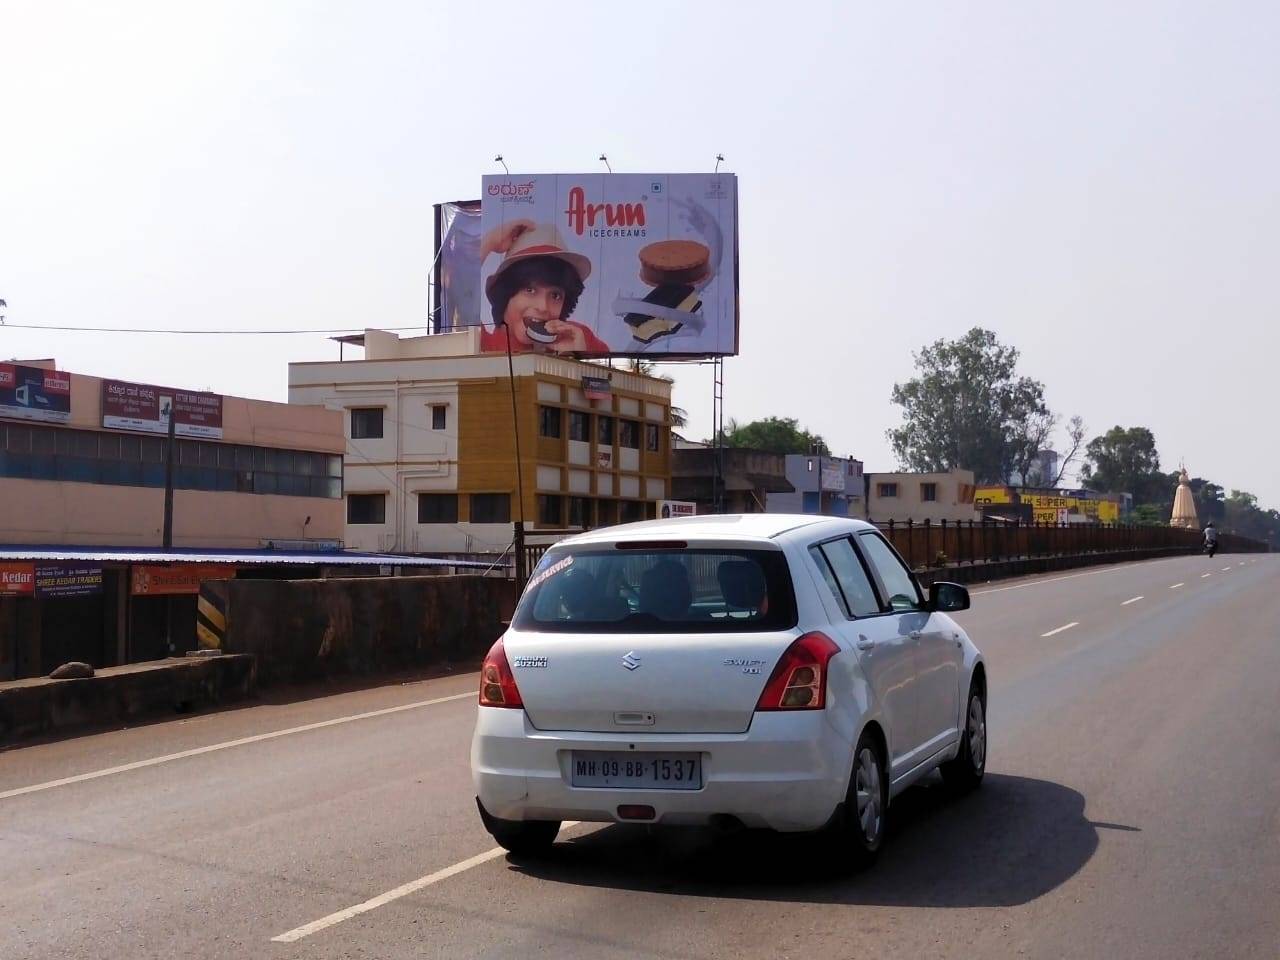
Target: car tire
(965, 772)
(522, 837)
(861, 825)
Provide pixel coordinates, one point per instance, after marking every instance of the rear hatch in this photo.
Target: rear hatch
(645, 683)
(652, 637)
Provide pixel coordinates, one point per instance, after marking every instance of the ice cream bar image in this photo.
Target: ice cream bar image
(647, 328)
(675, 269)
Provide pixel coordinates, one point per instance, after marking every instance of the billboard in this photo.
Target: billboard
(17, 579)
(57, 580)
(160, 580)
(676, 508)
(457, 268)
(832, 476)
(32, 393)
(607, 264)
(1053, 506)
(145, 408)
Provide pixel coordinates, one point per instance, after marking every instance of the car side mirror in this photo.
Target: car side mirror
(948, 597)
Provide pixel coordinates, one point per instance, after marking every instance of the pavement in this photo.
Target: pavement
(1131, 808)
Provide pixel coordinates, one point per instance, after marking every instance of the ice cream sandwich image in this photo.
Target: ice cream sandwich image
(676, 269)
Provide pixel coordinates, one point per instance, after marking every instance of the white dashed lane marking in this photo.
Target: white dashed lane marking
(1068, 626)
(382, 899)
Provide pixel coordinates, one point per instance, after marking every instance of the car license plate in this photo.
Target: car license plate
(638, 771)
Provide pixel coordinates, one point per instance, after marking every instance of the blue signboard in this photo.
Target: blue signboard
(58, 580)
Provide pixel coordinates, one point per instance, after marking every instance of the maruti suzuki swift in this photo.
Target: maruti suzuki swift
(768, 671)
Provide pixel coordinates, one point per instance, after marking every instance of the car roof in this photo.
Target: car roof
(718, 527)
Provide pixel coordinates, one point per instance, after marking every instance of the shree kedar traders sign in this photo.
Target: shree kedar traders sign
(610, 264)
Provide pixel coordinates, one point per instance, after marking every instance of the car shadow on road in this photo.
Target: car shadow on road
(1009, 842)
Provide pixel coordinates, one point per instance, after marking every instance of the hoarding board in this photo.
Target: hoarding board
(676, 508)
(60, 580)
(33, 393)
(610, 264)
(170, 579)
(457, 274)
(145, 408)
(833, 475)
(17, 579)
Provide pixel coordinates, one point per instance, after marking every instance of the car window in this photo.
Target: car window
(847, 578)
(829, 575)
(678, 590)
(898, 582)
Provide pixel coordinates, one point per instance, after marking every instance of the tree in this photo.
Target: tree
(1126, 461)
(1028, 459)
(1149, 515)
(774, 434)
(967, 408)
(1242, 515)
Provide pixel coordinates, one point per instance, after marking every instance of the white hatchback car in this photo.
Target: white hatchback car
(764, 670)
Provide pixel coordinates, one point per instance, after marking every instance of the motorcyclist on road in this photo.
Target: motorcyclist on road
(1210, 538)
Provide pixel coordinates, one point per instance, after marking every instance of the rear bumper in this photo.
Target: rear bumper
(787, 772)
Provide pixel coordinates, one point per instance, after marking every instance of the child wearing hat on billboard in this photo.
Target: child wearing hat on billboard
(534, 290)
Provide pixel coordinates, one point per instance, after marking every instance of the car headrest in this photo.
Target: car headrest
(665, 590)
(742, 583)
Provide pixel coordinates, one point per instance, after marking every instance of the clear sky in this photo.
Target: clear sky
(1097, 182)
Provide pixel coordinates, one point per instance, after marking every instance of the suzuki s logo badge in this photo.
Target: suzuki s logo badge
(631, 661)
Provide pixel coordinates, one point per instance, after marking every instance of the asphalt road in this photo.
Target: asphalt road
(1131, 809)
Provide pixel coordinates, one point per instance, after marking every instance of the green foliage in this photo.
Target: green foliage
(1149, 515)
(967, 408)
(1125, 460)
(774, 434)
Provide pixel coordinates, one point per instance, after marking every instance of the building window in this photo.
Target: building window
(549, 422)
(366, 423)
(604, 431)
(606, 512)
(437, 508)
(580, 512)
(629, 434)
(491, 508)
(631, 511)
(651, 437)
(366, 508)
(439, 416)
(550, 510)
(120, 459)
(928, 492)
(886, 489)
(579, 426)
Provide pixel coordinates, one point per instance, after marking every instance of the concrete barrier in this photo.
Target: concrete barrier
(1028, 566)
(29, 708)
(306, 630)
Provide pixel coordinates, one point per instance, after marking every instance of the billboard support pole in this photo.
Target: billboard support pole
(433, 289)
(717, 427)
(168, 479)
(518, 539)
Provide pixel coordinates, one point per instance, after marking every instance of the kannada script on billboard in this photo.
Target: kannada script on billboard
(610, 264)
(145, 408)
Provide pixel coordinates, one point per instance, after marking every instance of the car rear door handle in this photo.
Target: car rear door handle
(915, 634)
(865, 643)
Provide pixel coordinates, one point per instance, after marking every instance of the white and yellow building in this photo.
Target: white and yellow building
(430, 463)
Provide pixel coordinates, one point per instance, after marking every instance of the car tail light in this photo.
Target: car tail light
(497, 683)
(799, 681)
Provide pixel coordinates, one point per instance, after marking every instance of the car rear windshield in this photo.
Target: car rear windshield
(607, 590)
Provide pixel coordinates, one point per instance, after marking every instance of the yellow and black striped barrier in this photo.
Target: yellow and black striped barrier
(211, 616)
